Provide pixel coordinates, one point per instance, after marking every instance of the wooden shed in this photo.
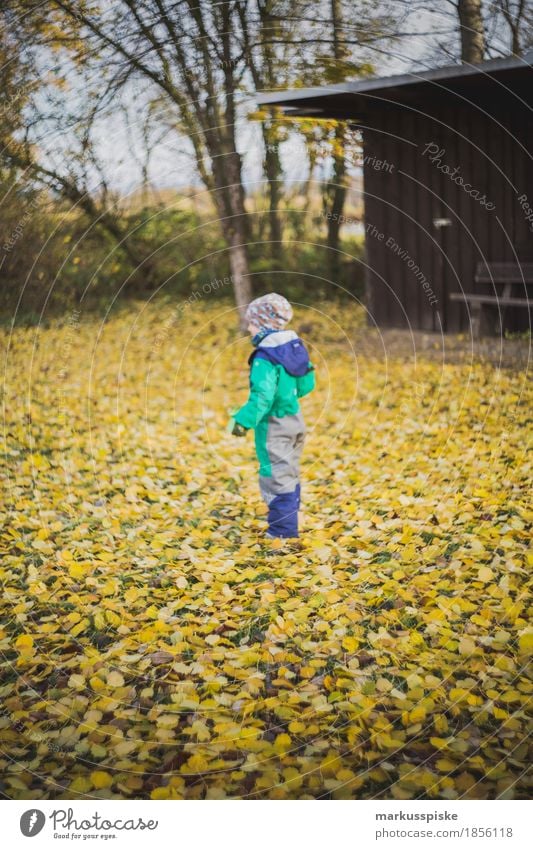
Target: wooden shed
(448, 183)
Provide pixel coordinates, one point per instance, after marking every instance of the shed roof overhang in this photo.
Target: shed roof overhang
(355, 100)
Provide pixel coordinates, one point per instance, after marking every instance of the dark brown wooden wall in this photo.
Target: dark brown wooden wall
(494, 154)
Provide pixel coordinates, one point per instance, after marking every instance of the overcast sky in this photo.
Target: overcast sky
(172, 166)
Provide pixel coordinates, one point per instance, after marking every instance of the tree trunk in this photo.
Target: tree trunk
(265, 76)
(514, 17)
(306, 192)
(517, 47)
(337, 187)
(242, 287)
(230, 203)
(338, 196)
(272, 169)
(472, 31)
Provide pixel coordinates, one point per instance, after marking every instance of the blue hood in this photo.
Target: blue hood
(290, 353)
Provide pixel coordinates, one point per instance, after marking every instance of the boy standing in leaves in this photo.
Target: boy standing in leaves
(280, 374)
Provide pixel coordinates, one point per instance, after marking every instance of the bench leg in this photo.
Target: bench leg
(486, 321)
(475, 320)
(500, 321)
(480, 321)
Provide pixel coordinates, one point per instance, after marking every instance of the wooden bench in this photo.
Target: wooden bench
(507, 275)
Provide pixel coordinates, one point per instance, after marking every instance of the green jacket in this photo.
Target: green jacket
(274, 391)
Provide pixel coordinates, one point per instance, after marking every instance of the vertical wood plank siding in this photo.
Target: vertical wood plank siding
(482, 140)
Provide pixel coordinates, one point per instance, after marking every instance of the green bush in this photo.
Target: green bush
(304, 275)
(56, 260)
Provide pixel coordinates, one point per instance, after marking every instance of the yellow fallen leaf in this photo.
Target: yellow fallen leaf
(80, 784)
(445, 765)
(101, 779)
(525, 643)
(282, 743)
(439, 742)
(24, 644)
(125, 747)
(467, 646)
(351, 644)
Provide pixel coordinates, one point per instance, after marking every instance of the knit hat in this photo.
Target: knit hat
(270, 312)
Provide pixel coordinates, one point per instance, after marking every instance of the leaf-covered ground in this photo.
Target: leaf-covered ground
(153, 646)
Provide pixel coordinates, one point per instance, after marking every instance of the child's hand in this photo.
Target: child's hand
(236, 429)
(239, 430)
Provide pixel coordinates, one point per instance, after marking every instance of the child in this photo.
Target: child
(280, 373)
